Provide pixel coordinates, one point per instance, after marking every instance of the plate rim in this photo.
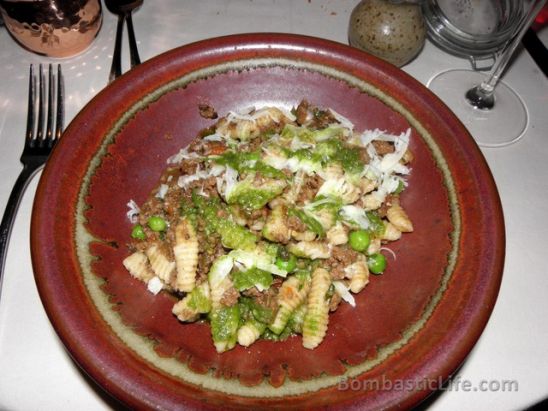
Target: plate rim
(255, 44)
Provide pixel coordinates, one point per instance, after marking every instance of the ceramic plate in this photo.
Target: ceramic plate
(412, 327)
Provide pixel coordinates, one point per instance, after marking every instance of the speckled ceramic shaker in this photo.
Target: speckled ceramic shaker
(389, 29)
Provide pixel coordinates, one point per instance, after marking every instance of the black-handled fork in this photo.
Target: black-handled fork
(39, 142)
(123, 9)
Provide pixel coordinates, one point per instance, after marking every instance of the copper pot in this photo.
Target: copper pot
(55, 28)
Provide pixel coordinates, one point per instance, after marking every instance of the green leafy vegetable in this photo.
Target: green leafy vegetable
(254, 277)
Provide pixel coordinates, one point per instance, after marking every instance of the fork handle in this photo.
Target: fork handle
(134, 53)
(11, 208)
(116, 68)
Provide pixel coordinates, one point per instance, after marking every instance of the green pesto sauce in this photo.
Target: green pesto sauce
(302, 274)
(232, 235)
(334, 150)
(295, 322)
(198, 301)
(253, 198)
(377, 226)
(328, 133)
(224, 323)
(312, 322)
(333, 205)
(235, 236)
(270, 249)
(272, 336)
(328, 148)
(302, 133)
(303, 154)
(188, 210)
(206, 208)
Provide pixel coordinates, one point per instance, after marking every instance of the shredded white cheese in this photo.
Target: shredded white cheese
(162, 191)
(342, 290)
(390, 160)
(185, 180)
(155, 285)
(342, 120)
(391, 252)
(133, 212)
(356, 215)
(227, 182)
(213, 137)
(183, 154)
(234, 116)
(250, 259)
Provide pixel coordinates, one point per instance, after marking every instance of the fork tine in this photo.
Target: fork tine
(31, 113)
(60, 103)
(41, 105)
(49, 124)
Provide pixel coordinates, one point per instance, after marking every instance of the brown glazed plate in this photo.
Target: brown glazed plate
(412, 327)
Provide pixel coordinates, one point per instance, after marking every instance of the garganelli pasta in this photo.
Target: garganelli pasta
(270, 219)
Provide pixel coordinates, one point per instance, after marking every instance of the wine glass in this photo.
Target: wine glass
(494, 114)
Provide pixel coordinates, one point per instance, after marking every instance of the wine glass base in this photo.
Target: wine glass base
(503, 125)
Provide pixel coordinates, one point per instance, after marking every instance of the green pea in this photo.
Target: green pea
(138, 232)
(376, 263)
(359, 240)
(288, 265)
(157, 223)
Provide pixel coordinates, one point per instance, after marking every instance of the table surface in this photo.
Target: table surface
(507, 368)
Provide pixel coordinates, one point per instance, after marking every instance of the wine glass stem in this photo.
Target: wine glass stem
(487, 87)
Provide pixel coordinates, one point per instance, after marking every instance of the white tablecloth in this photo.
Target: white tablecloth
(36, 373)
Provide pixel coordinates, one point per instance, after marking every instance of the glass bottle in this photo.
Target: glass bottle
(390, 29)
